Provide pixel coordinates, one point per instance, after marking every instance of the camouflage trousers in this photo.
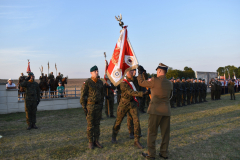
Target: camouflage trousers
(30, 110)
(93, 118)
(188, 98)
(121, 112)
(111, 104)
(130, 123)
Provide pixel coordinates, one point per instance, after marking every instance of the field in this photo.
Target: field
(208, 130)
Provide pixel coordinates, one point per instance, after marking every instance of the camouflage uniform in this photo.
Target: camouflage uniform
(93, 92)
(118, 93)
(110, 92)
(127, 104)
(204, 91)
(231, 90)
(213, 89)
(32, 97)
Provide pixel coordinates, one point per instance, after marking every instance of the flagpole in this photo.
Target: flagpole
(107, 88)
(48, 68)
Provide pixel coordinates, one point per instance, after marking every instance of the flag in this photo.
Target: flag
(48, 65)
(123, 59)
(55, 66)
(28, 68)
(224, 78)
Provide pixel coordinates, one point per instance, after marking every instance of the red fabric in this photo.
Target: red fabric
(135, 99)
(28, 68)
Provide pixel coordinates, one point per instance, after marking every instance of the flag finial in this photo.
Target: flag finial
(119, 19)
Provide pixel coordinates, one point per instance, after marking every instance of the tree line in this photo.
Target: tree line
(229, 70)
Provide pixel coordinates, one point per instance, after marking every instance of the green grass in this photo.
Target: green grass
(209, 130)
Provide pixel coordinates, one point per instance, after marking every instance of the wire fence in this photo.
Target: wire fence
(73, 92)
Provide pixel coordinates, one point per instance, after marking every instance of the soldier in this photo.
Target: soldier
(21, 78)
(93, 91)
(189, 91)
(200, 90)
(108, 90)
(118, 93)
(184, 92)
(196, 90)
(46, 77)
(204, 90)
(128, 103)
(213, 88)
(219, 88)
(143, 99)
(159, 111)
(179, 92)
(193, 91)
(148, 95)
(32, 99)
(231, 88)
(216, 89)
(59, 77)
(174, 93)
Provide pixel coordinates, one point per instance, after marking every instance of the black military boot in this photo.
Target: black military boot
(112, 116)
(97, 144)
(90, 145)
(34, 126)
(160, 155)
(114, 140)
(131, 135)
(147, 156)
(29, 127)
(138, 145)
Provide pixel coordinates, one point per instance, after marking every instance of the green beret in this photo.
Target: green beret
(195, 78)
(199, 79)
(183, 77)
(30, 74)
(187, 78)
(203, 79)
(169, 78)
(178, 78)
(94, 68)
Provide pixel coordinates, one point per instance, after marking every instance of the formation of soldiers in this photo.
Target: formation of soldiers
(188, 91)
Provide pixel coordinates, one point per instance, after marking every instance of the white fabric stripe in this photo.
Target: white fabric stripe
(134, 88)
(121, 47)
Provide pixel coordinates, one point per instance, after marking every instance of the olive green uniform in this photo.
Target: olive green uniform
(142, 99)
(204, 91)
(93, 92)
(32, 97)
(173, 99)
(196, 92)
(213, 89)
(219, 88)
(110, 93)
(200, 92)
(189, 91)
(192, 93)
(231, 90)
(159, 112)
(127, 104)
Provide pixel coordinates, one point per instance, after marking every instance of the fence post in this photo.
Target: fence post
(75, 91)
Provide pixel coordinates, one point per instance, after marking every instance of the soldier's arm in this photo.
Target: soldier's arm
(126, 89)
(84, 94)
(145, 83)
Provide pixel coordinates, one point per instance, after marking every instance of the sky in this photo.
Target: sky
(201, 34)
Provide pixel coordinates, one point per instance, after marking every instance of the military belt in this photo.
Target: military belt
(127, 99)
(93, 103)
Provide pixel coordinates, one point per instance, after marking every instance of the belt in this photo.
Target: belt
(127, 99)
(93, 103)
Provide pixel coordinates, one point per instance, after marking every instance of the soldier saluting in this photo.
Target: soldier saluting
(92, 98)
(32, 99)
(159, 110)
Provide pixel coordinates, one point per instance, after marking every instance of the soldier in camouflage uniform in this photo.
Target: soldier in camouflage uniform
(179, 92)
(200, 90)
(204, 90)
(108, 90)
(184, 92)
(196, 90)
(231, 88)
(118, 93)
(32, 99)
(189, 91)
(93, 91)
(128, 104)
(213, 88)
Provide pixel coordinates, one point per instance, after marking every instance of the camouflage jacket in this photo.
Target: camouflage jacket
(127, 93)
(92, 91)
(32, 91)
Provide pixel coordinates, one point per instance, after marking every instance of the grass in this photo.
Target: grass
(209, 130)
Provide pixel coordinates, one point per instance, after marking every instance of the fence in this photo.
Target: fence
(54, 94)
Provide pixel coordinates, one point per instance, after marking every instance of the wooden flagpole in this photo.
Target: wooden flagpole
(107, 88)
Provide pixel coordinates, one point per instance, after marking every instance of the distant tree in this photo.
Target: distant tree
(229, 70)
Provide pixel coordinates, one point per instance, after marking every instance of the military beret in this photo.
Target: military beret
(203, 79)
(98, 76)
(30, 74)
(94, 68)
(187, 78)
(183, 77)
(195, 78)
(199, 79)
(169, 78)
(162, 66)
(178, 78)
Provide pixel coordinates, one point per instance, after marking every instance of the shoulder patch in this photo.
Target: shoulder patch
(149, 79)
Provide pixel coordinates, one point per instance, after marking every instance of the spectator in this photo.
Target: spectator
(60, 90)
(10, 84)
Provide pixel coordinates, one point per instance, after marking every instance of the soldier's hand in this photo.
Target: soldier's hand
(145, 93)
(85, 111)
(140, 69)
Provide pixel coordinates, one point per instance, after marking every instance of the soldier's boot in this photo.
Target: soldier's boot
(131, 135)
(34, 126)
(29, 127)
(138, 145)
(97, 144)
(90, 145)
(114, 140)
(112, 116)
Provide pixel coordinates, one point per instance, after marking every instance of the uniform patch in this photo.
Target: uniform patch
(149, 79)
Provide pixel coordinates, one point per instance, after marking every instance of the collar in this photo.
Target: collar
(94, 79)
